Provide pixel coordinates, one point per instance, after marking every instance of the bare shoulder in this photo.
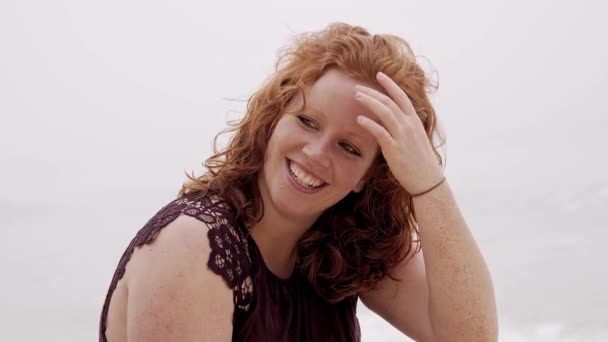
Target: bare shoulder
(182, 243)
(172, 294)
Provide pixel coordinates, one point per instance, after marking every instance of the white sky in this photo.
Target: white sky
(109, 100)
(139, 87)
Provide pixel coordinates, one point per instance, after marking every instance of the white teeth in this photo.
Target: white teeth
(303, 178)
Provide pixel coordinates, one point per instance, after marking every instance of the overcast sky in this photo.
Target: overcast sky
(104, 103)
(139, 87)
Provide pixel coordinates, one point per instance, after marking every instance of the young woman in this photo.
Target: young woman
(329, 191)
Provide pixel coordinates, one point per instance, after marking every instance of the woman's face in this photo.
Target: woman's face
(316, 156)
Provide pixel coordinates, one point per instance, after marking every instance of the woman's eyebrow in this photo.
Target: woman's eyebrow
(349, 133)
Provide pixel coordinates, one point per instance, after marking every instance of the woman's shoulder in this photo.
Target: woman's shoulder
(169, 276)
(206, 227)
(227, 238)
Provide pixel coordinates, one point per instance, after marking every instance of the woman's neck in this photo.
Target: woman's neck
(277, 237)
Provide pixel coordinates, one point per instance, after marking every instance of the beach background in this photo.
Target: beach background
(104, 105)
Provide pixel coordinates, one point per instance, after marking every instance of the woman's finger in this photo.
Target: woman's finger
(380, 133)
(396, 93)
(386, 116)
(387, 101)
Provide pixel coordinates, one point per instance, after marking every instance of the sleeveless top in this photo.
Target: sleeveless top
(266, 308)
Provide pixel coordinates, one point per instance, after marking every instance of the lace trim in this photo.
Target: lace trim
(230, 251)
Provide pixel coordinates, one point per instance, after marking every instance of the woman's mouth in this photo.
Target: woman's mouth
(302, 180)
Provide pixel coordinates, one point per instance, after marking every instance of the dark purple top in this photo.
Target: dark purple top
(266, 307)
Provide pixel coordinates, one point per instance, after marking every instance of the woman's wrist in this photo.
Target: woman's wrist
(435, 186)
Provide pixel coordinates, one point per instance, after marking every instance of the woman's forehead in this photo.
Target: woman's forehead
(334, 95)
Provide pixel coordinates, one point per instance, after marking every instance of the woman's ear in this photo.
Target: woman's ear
(359, 186)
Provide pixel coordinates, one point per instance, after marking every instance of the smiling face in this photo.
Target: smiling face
(319, 154)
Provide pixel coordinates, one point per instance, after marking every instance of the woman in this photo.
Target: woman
(328, 192)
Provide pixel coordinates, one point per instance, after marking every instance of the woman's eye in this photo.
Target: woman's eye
(350, 149)
(306, 121)
(311, 124)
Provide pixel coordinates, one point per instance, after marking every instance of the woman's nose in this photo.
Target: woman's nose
(318, 152)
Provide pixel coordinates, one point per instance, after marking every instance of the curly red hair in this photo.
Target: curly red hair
(359, 240)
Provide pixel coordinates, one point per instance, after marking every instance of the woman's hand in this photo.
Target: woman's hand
(401, 135)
